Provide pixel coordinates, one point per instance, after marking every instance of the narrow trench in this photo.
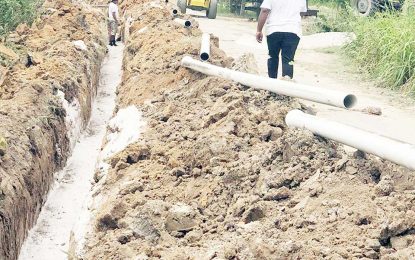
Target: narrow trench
(66, 204)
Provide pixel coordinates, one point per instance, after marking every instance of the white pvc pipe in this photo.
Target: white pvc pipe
(386, 148)
(319, 95)
(185, 23)
(175, 12)
(205, 47)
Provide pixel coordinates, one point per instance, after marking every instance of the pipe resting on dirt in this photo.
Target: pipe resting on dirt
(205, 47)
(185, 23)
(292, 89)
(383, 147)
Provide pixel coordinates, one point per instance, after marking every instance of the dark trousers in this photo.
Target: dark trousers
(285, 43)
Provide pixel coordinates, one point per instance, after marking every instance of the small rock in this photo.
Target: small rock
(22, 29)
(373, 244)
(351, 170)
(290, 247)
(278, 194)
(359, 154)
(138, 154)
(3, 74)
(142, 226)
(32, 59)
(38, 88)
(373, 111)
(3, 146)
(124, 238)
(66, 9)
(341, 163)
(194, 236)
(178, 172)
(315, 189)
(402, 242)
(181, 218)
(121, 165)
(363, 220)
(107, 222)
(9, 53)
(253, 214)
(80, 45)
(385, 186)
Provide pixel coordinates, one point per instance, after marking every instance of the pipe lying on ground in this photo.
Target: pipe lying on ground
(388, 149)
(175, 12)
(185, 23)
(319, 95)
(205, 47)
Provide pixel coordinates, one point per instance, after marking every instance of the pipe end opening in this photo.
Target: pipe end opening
(187, 23)
(349, 101)
(204, 56)
(175, 11)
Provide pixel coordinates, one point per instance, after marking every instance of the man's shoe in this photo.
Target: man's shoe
(111, 44)
(114, 44)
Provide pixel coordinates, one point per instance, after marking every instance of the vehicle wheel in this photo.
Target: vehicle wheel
(182, 4)
(213, 9)
(365, 7)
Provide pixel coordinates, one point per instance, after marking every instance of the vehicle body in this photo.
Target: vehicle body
(240, 6)
(369, 7)
(210, 6)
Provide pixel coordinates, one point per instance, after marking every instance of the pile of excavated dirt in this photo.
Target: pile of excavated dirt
(218, 175)
(49, 74)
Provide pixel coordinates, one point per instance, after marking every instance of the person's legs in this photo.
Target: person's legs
(109, 32)
(113, 32)
(288, 48)
(274, 48)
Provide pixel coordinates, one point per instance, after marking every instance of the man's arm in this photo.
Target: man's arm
(261, 22)
(114, 15)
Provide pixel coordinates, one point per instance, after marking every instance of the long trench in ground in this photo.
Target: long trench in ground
(66, 205)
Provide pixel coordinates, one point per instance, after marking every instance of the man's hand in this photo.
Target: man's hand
(259, 36)
(263, 15)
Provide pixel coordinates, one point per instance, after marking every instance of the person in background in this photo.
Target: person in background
(283, 30)
(113, 22)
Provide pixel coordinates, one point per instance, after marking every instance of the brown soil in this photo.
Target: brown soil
(218, 175)
(31, 115)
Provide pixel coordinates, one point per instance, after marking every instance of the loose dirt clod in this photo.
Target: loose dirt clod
(221, 175)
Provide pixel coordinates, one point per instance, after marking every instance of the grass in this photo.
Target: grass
(385, 48)
(15, 12)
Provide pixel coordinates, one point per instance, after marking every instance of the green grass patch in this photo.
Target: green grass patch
(385, 48)
(15, 12)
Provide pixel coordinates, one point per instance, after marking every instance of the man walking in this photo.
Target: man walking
(113, 17)
(283, 30)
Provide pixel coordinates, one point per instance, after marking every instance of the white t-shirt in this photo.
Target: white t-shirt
(112, 8)
(284, 16)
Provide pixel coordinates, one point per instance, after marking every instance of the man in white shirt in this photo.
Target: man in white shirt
(113, 17)
(283, 30)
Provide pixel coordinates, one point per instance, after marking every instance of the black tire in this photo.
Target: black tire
(365, 7)
(213, 9)
(182, 4)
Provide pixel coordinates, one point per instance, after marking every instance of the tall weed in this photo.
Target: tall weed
(385, 48)
(14, 12)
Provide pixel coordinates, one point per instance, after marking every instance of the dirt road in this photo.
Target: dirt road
(318, 65)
